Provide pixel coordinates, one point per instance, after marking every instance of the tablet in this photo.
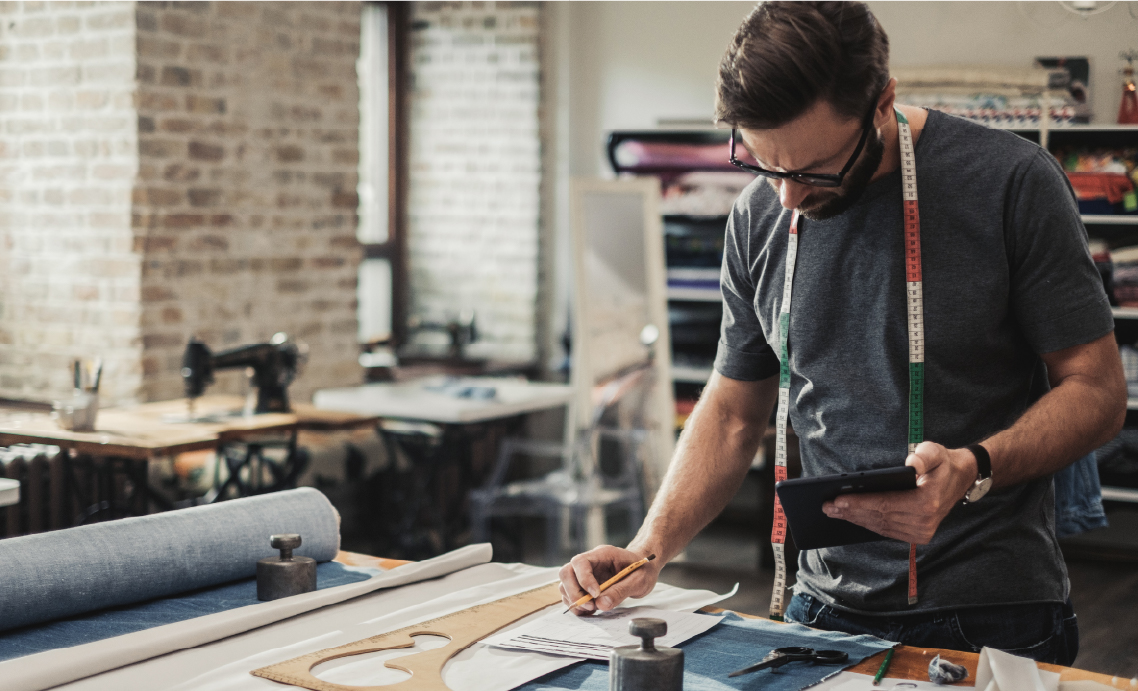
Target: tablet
(802, 500)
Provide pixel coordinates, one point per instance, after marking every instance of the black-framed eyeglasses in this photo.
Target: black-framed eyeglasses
(813, 179)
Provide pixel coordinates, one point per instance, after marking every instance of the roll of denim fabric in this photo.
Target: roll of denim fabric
(67, 572)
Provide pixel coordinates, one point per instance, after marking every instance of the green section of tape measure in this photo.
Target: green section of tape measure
(916, 402)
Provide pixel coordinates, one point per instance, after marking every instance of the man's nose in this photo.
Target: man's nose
(791, 193)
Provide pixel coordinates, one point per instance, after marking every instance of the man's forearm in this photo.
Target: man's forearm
(713, 454)
(1078, 415)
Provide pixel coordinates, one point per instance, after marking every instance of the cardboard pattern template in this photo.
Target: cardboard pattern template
(463, 628)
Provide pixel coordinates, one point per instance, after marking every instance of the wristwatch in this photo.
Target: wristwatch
(983, 475)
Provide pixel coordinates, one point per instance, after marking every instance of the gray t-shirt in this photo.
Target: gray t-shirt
(1007, 275)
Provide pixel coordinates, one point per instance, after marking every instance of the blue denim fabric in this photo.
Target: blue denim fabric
(1045, 632)
(731, 645)
(96, 626)
(67, 572)
(1078, 498)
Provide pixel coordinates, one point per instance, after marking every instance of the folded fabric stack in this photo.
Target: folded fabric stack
(1104, 179)
(1124, 263)
(1002, 97)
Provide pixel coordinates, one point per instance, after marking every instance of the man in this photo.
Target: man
(1019, 355)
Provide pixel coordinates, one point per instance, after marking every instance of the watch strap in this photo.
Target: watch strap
(983, 461)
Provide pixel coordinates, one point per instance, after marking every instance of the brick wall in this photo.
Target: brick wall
(69, 273)
(475, 169)
(176, 169)
(246, 205)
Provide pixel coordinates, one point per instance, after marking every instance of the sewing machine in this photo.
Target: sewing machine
(274, 367)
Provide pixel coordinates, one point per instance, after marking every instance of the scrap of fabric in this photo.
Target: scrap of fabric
(733, 644)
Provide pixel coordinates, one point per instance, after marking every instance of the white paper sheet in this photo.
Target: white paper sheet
(594, 637)
(54, 667)
(225, 665)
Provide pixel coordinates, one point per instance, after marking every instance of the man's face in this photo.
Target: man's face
(818, 141)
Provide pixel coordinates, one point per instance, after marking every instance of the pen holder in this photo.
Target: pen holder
(77, 413)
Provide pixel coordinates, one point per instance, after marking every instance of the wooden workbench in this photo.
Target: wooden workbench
(908, 662)
(104, 474)
(162, 429)
(913, 664)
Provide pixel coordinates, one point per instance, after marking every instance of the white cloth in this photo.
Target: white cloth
(1000, 671)
(54, 667)
(225, 665)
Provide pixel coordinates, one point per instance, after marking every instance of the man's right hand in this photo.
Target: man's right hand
(584, 574)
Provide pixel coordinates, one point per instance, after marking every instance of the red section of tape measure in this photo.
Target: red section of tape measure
(794, 223)
(912, 241)
(778, 529)
(912, 574)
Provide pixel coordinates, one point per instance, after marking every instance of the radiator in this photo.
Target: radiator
(43, 498)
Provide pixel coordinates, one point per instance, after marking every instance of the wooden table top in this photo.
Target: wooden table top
(164, 428)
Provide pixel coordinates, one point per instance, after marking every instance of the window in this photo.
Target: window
(378, 230)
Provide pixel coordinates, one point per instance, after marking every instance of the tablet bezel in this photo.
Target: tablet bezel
(802, 500)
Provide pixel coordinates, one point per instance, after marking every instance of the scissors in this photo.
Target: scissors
(783, 656)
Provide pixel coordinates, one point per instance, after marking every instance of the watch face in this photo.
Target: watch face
(979, 490)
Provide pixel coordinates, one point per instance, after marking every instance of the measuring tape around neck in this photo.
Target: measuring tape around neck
(914, 311)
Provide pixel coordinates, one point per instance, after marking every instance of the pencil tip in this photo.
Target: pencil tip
(651, 557)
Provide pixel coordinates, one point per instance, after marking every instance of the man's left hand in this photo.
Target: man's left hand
(943, 477)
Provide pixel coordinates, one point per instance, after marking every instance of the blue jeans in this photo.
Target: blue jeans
(1078, 498)
(1045, 632)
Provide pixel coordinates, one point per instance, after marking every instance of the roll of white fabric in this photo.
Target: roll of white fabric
(67, 572)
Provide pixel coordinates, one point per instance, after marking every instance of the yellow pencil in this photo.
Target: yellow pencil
(605, 586)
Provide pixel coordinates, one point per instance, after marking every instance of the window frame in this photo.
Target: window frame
(394, 250)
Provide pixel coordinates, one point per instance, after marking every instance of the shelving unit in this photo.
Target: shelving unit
(693, 240)
(1115, 230)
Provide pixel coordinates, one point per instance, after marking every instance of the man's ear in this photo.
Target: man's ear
(884, 110)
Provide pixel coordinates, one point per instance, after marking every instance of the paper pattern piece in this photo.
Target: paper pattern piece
(1000, 671)
(594, 637)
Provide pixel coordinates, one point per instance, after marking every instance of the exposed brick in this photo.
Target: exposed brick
(179, 172)
(181, 25)
(151, 102)
(200, 151)
(286, 265)
(162, 193)
(157, 197)
(199, 104)
(348, 200)
(180, 76)
(183, 221)
(289, 154)
(156, 293)
(160, 148)
(204, 197)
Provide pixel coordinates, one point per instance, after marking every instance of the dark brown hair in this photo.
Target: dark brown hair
(787, 55)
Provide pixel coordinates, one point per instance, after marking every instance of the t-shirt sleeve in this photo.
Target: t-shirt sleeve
(743, 352)
(1056, 292)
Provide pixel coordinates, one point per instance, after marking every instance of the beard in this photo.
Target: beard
(821, 205)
